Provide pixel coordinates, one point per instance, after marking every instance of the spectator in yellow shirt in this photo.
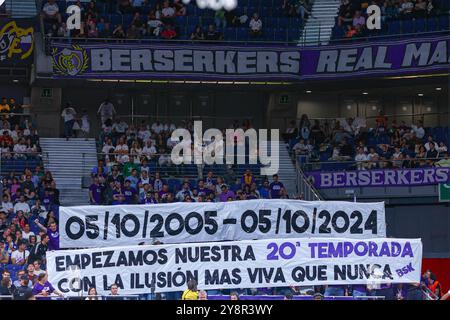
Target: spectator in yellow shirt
(191, 293)
(4, 107)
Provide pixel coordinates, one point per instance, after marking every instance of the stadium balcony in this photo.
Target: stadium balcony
(396, 21)
(233, 26)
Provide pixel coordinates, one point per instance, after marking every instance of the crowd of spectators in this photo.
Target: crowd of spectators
(28, 228)
(352, 16)
(394, 145)
(172, 19)
(135, 161)
(19, 138)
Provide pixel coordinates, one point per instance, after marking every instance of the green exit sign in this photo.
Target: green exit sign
(284, 98)
(444, 192)
(47, 93)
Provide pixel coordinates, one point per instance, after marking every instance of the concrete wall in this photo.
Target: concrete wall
(399, 107)
(47, 111)
(431, 223)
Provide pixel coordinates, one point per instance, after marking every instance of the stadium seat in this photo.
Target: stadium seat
(444, 22)
(181, 21)
(242, 34)
(420, 26)
(194, 21)
(115, 19)
(394, 27)
(283, 23)
(230, 34)
(407, 26)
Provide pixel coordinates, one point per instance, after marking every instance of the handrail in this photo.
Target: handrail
(418, 114)
(293, 43)
(305, 186)
(349, 161)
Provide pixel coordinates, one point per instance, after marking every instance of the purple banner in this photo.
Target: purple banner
(379, 178)
(132, 60)
(280, 297)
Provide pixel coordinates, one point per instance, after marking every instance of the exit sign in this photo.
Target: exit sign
(284, 98)
(47, 93)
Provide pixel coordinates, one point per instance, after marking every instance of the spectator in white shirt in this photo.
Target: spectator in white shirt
(157, 127)
(107, 146)
(360, 159)
(398, 158)
(106, 110)
(20, 256)
(430, 142)
(418, 130)
(7, 205)
(169, 127)
(144, 134)
(164, 159)
(300, 148)
(442, 149)
(26, 233)
(69, 119)
(406, 7)
(122, 151)
(20, 150)
(255, 26)
(21, 205)
(149, 150)
(171, 143)
(50, 12)
(168, 13)
(119, 127)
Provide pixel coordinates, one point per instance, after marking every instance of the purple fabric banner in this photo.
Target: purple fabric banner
(379, 178)
(187, 61)
(280, 297)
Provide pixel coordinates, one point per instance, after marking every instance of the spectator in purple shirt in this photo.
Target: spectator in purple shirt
(226, 194)
(52, 232)
(275, 187)
(95, 192)
(149, 198)
(202, 190)
(43, 289)
(129, 193)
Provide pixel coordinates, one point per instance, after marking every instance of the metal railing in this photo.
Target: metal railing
(304, 187)
(332, 120)
(351, 164)
(302, 41)
(16, 162)
(168, 170)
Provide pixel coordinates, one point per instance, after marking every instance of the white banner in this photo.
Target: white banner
(108, 226)
(237, 264)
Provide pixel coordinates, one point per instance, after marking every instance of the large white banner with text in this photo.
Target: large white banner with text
(123, 225)
(236, 264)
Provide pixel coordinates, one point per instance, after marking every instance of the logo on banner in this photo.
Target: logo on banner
(15, 41)
(70, 62)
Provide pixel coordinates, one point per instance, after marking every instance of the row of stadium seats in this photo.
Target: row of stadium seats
(394, 27)
(265, 8)
(17, 165)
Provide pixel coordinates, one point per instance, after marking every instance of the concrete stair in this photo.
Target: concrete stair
(69, 161)
(319, 27)
(287, 173)
(21, 8)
